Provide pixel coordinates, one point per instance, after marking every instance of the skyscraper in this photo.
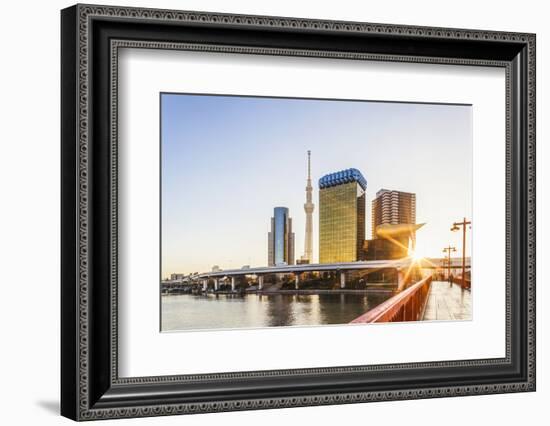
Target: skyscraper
(280, 239)
(393, 208)
(341, 216)
(308, 208)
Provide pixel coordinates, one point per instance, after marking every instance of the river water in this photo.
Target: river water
(224, 311)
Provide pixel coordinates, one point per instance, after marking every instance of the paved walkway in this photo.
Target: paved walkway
(448, 303)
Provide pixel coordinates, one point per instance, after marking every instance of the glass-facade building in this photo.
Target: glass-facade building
(280, 238)
(342, 216)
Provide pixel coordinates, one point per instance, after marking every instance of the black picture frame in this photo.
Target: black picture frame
(90, 386)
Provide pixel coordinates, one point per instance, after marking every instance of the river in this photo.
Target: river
(226, 311)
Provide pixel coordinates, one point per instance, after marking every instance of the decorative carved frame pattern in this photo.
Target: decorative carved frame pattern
(85, 13)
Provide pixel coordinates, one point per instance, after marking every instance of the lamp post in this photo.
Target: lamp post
(448, 250)
(456, 227)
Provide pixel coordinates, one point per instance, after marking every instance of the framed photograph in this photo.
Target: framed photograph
(263, 212)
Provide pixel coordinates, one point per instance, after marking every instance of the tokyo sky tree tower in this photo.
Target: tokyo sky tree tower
(308, 207)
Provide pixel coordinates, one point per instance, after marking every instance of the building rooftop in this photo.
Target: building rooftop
(342, 177)
(383, 191)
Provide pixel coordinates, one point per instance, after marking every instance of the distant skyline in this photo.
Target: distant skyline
(227, 161)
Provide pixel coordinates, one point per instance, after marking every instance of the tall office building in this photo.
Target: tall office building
(308, 208)
(393, 208)
(341, 216)
(280, 239)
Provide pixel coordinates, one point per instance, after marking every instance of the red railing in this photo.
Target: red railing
(407, 305)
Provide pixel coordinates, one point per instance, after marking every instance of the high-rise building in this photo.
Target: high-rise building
(308, 208)
(341, 216)
(280, 239)
(393, 208)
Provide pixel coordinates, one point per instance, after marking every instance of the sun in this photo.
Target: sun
(416, 255)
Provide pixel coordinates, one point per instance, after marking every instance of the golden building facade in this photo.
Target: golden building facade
(341, 216)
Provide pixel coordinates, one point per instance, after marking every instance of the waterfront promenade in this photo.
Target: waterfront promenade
(425, 300)
(448, 302)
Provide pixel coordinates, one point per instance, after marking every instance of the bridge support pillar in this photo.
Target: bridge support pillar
(216, 284)
(232, 283)
(342, 279)
(204, 285)
(260, 282)
(296, 280)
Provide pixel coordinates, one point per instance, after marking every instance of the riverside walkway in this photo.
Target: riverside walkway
(446, 302)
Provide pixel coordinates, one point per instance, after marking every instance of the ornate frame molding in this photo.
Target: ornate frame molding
(79, 20)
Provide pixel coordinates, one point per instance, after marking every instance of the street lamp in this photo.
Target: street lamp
(448, 250)
(456, 227)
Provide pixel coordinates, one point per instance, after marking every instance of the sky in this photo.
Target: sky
(227, 161)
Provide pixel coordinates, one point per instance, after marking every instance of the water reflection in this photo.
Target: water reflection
(223, 311)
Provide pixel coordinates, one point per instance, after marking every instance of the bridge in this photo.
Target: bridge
(400, 265)
(425, 300)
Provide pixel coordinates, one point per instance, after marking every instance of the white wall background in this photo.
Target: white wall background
(29, 213)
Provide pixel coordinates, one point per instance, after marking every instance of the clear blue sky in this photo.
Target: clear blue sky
(228, 161)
